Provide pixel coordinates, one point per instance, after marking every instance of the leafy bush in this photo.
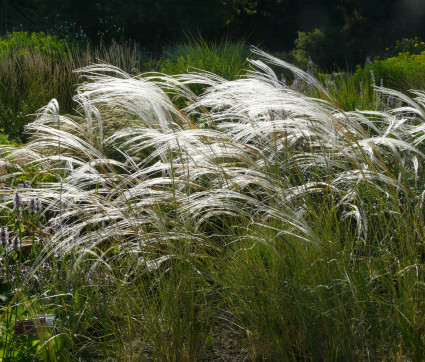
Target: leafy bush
(327, 48)
(404, 71)
(411, 46)
(22, 42)
(310, 45)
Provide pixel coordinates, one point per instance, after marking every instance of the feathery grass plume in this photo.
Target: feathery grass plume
(335, 146)
(318, 212)
(250, 149)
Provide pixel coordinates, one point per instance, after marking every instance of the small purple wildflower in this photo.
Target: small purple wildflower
(27, 184)
(297, 84)
(48, 230)
(329, 83)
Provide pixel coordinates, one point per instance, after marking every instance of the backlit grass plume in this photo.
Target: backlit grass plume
(251, 153)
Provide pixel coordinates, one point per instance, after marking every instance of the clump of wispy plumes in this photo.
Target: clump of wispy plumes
(251, 149)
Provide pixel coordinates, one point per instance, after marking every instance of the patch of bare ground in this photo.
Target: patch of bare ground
(227, 347)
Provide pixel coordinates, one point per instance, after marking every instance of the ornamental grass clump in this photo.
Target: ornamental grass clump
(249, 167)
(250, 150)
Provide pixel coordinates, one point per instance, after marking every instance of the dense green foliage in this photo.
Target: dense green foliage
(21, 42)
(404, 71)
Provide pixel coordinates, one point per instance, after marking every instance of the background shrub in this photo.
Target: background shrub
(407, 45)
(404, 71)
(22, 42)
(325, 48)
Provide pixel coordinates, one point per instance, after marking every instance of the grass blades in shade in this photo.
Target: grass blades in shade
(226, 59)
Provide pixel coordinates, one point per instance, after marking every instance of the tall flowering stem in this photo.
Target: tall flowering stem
(17, 201)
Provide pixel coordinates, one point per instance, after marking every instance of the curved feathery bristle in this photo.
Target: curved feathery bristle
(250, 149)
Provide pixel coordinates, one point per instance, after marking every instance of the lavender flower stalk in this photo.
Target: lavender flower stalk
(38, 205)
(4, 236)
(34, 206)
(17, 201)
(16, 243)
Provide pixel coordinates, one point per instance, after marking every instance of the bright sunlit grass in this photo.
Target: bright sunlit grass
(254, 212)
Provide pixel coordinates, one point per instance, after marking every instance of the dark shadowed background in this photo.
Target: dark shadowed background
(353, 29)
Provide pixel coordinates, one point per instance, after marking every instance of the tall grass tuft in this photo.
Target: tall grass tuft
(226, 59)
(35, 68)
(264, 213)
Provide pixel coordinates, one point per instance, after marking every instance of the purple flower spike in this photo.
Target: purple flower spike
(297, 84)
(34, 206)
(16, 243)
(4, 236)
(38, 205)
(31, 206)
(310, 67)
(17, 201)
